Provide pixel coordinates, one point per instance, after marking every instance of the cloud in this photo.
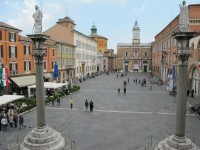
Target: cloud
(142, 8)
(25, 9)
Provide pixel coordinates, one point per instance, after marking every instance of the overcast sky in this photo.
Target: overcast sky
(114, 19)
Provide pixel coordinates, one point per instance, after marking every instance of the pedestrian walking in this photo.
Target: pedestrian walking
(118, 91)
(15, 119)
(21, 122)
(128, 80)
(139, 81)
(117, 75)
(188, 92)
(58, 101)
(86, 105)
(136, 80)
(125, 83)
(124, 90)
(192, 93)
(4, 123)
(71, 102)
(11, 122)
(91, 105)
(52, 101)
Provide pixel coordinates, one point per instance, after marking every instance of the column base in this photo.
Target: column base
(44, 138)
(176, 143)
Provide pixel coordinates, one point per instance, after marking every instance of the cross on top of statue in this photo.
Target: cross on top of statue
(184, 17)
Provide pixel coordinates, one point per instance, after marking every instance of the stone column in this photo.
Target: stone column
(42, 137)
(40, 103)
(181, 101)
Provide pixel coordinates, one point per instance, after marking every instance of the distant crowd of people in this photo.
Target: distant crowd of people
(9, 117)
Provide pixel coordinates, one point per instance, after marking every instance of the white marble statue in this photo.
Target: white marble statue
(37, 20)
(184, 18)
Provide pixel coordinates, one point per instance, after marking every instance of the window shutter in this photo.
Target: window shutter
(15, 37)
(24, 50)
(0, 35)
(24, 65)
(9, 36)
(10, 67)
(10, 51)
(44, 65)
(1, 51)
(29, 65)
(15, 51)
(29, 50)
(16, 66)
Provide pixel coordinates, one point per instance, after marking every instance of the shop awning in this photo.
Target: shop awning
(47, 75)
(9, 98)
(24, 81)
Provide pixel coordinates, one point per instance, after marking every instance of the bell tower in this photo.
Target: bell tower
(136, 34)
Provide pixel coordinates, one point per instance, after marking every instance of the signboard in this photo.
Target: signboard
(55, 73)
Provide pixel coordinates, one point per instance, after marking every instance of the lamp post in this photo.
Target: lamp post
(179, 141)
(42, 137)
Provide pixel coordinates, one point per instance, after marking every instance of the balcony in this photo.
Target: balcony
(14, 72)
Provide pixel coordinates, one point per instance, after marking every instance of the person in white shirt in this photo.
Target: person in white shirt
(4, 123)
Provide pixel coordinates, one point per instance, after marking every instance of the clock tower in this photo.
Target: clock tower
(136, 34)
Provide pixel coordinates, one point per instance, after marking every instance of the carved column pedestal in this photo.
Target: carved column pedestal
(44, 138)
(176, 143)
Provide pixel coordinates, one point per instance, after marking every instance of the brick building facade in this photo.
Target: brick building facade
(16, 55)
(164, 49)
(135, 56)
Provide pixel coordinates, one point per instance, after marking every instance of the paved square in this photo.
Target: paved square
(119, 122)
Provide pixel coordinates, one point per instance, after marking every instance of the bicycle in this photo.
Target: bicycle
(196, 109)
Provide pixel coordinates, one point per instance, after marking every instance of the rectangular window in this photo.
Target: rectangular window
(45, 66)
(53, 52)
(59, 50)
(27, 66)
(13, 68)
(12, 51)
(12, 37)
(26, 50)
(53, 64)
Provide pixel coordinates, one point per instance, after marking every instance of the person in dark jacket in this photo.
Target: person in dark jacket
(21, 122)
(91, 105)
(188, 92)
(192, 93)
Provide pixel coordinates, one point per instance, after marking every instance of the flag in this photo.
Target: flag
(173, 72)
(4, 76)
(55, 74)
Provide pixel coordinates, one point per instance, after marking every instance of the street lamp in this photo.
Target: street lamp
(179, 141)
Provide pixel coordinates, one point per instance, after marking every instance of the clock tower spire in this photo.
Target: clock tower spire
(136, 34)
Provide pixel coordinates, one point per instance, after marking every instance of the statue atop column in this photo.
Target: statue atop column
(184, 17)
(37, 20)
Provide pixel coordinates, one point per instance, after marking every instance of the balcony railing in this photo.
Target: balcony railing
(14, 72)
